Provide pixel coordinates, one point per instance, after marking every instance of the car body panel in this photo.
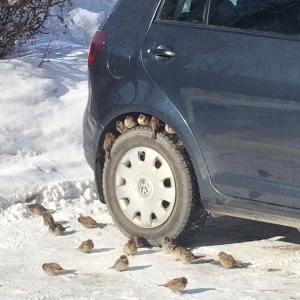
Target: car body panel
(241, 169)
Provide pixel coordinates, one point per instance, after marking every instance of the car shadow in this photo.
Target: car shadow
(230, 230)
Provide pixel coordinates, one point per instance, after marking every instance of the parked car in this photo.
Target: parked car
(222, 77)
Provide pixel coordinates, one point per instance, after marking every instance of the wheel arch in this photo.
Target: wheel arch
(169, 116)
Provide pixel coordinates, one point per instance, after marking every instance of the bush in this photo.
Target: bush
(21, 20)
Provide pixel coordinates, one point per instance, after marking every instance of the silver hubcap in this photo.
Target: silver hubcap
(145, 187)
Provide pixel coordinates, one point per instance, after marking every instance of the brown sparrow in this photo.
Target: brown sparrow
(176, 285)
(108, 142)
(57, 229)
(140, 241)
(48, 219)
(180, 145)
(53, 268)
(187, 256)
(88, 222)
(167, 244)
(169, 129)
(130, 248)
(120, 126)
(37, 209)
(121, 264)
(143, 120)
(154, 126)
(177, 251)
(226, 260)
(86, 246)
(129, 122)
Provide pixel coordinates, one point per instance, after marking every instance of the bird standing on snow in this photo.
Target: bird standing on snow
(176, 285)
(130, 248)
(88, 222)
(53, 269)
(226, 260)
(121, 264)
(86, 246)
(48, 219)
(57, 229)
(167, 244)
(37, 209)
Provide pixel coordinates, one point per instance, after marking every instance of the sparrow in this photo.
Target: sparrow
(48, 219)
(130, 248)
(140, 241)
(179, 145)
(129, 122)
(154, 126)
(120, 126)
(86, 246)
(226, 260)
(37, 209)
(143, 120)
(167, 244)
(57, 229)
(169, 129)
(177, 251)
(121, 264)
(176, 285)
(108, 142)
(52, 268)
(187, 256)
(88, 222)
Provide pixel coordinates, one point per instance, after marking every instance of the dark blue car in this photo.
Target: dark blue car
(194, 109)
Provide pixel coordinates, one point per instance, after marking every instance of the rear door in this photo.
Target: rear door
(232, 67)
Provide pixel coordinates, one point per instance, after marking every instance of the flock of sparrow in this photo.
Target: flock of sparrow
(176, 285)
(129, 122)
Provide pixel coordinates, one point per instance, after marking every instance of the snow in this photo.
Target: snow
(42, 161)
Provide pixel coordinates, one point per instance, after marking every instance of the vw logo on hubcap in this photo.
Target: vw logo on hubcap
(144, 187)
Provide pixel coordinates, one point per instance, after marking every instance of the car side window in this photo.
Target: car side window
(188, 11)
(275, 16)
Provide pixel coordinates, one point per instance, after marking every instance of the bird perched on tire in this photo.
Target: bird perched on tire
(168, 129)
(154, 126)
(130, 248)
(176, 285)
(86, 246)
(88, 222)
(53, 269)
(108, 143)
(226, 260)
(121, 264)
(48, 219)
(143, 120)
(37, 209)
(120, 126)
(129, 122)
(57, 229)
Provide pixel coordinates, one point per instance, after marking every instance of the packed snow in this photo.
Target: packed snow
(42, 161)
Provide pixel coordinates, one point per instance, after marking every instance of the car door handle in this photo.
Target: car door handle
(162, 51)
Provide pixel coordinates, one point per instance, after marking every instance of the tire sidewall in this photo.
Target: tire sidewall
(140, 137)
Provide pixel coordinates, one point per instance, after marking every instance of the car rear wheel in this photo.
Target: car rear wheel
(150, 188)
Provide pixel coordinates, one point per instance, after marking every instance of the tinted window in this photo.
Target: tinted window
(280, 16)
(191, 11)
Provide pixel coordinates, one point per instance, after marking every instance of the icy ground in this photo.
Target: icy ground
(41, 161)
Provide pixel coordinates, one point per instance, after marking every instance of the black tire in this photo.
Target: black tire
(187, 215)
